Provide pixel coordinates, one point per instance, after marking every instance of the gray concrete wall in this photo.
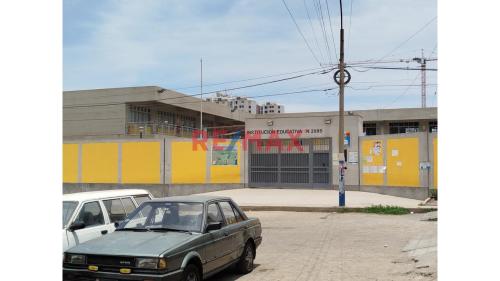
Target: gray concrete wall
(157, 190)
(94, 121)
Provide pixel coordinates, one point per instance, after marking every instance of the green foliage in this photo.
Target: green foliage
(433, 193)
(386, 210)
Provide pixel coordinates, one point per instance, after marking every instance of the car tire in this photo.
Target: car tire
(245, 264)
(191, 273)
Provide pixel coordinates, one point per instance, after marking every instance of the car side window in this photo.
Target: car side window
(91, 214)
(237, 214)
(141, 198)
(228, 212)
(128, 205)
(115, 210)
(213, 214)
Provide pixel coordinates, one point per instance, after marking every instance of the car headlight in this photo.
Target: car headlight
(74, 259)
(151, 263)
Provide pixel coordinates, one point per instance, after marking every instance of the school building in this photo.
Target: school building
(142, 137)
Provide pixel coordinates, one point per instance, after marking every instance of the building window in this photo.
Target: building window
(433, 126)
(403, 127)
(369, 129)
(165, 117)
(140, 114)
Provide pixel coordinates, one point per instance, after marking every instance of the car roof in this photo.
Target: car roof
(94, 195)
(191, 198)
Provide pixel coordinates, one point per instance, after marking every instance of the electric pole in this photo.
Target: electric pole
(341, 155)
(201, 98)
(423, 75)
(423, 78)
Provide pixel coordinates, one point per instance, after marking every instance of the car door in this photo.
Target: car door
(217, 252)
(231, 228)
(91, 214)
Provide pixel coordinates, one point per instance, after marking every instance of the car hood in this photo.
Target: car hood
(130, 243)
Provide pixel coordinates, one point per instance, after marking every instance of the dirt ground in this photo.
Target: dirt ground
(349, 246)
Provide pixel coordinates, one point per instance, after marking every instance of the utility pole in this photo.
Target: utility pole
(201, 98)
(423, 67)
(342, 164)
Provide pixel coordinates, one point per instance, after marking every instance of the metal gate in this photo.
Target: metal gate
(282, 163)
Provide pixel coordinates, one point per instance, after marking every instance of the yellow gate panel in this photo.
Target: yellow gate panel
(141, 162)
(435, 152)
(100, 163)
(226, 173)
(70, 163)
(403, 162)
(372, 157)
(188, 165)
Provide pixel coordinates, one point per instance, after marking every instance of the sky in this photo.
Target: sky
(124, 43)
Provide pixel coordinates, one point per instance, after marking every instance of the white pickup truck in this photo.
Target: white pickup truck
(88, 215)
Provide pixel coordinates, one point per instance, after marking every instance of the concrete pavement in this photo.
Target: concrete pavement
(296, 198)
(299, 246)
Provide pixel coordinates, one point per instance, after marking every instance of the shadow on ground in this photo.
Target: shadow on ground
(230, 274)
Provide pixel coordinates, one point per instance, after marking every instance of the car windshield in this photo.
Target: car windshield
(68, 210)
(165, 216)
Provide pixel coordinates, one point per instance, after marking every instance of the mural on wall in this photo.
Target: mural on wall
(224, 154)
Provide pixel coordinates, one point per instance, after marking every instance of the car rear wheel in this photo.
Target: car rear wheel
(191, 273)
(245, 264)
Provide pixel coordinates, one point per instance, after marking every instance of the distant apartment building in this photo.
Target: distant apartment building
(271, 108)
(245, 104)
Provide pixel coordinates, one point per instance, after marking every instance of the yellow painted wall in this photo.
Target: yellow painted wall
(403, 162)
(435, 152)
(70, 163)
(370, 173)
(141, 162)
(188, 165)
(229, 173)
(100, 163)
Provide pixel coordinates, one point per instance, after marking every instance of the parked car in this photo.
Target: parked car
(186, 238)
(88, 215)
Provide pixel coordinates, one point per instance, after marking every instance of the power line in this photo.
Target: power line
(319, 11)
(392, 68)
(404, 93)
(179, 103)
(331, 30)
(350, 24)
(298, 28)
(236, 88)
(312, 29)
(409, 38)
(248, 79)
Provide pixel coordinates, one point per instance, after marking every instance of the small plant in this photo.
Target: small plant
(386, 210)
(433, 193)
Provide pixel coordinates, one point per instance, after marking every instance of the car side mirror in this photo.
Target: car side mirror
(117, 223)
(214, 226)
(76, 225)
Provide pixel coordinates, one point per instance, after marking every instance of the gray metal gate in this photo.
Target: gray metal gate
(285, 165)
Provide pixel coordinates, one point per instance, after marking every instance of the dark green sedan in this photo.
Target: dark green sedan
(176, 238)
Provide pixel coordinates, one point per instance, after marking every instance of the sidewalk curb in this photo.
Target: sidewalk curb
(323, 209)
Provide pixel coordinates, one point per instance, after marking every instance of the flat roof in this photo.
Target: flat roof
(367, 115)
(149, 94)
(94, 195)
(191, 198)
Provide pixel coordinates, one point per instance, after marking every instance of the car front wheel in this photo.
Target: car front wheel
(245, 265)
(191, 273)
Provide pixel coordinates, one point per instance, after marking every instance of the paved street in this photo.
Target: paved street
(311, 198)
(349, 246)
